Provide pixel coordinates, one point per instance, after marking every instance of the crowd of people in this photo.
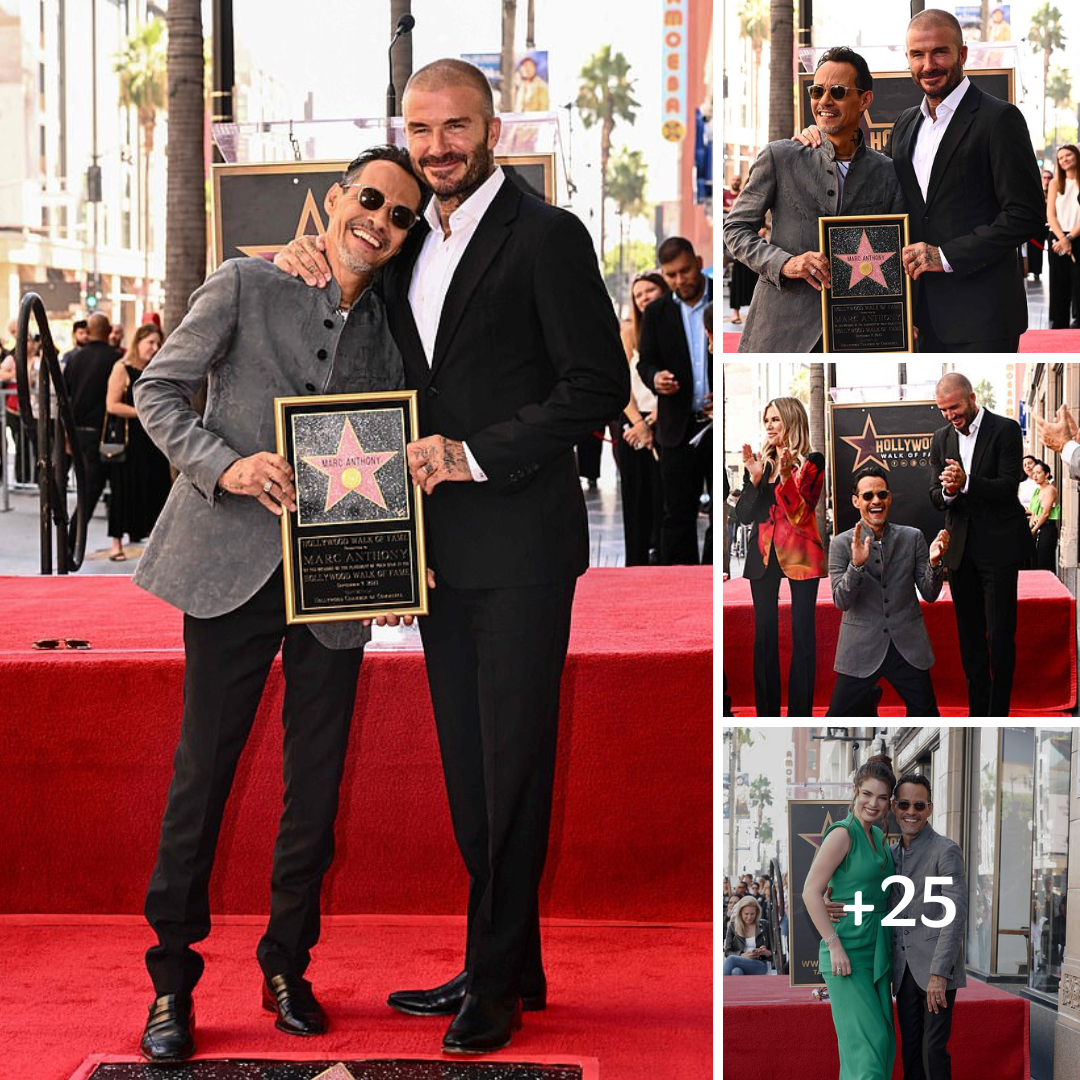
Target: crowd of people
(955, 164)
(99, 374)
(994, 526)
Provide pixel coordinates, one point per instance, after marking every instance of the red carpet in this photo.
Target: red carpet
(636, 998)
(1033, 341)
(84, 783)
(1045, 640)
(989, 1032)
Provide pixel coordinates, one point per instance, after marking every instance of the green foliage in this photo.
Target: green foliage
(754, 21)
(1059, 88)
(626, 178)
(142, 68)
(984, 393)
(606, 91)
(1045, 34)
(639, 257)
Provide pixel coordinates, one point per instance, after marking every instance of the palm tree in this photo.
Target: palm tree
(754, 24)
(141, 65)
(606, 95)
(761, 793)
(506, 65)
(185, 223)
(1045, 35)
(781, 79)
(626, 188)
(1059, 90)
(817, 434)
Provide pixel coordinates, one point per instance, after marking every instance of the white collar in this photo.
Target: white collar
(471, 210)
(949, 105)
(973, 427)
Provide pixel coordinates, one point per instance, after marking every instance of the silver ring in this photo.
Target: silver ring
(268, 486)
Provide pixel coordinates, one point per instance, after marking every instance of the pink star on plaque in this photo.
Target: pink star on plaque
(866, 263)
(351, 469)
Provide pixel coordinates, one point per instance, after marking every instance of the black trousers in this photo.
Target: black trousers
(228, 660)
(642, 502)
(802, 672)
(851, 692)
(924, 1035)
(928, 341)
(1046, 540)
(685, 471)
(984, 599)
(96, 472)
(1064, 295)
(494, 662)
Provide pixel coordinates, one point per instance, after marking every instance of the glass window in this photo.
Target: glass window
(982, 847)
(1014, 845)
(1050, 857)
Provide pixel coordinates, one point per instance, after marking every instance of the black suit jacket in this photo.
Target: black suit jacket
(663, 347)
(987, 521)
(528, 360)
(983, 201)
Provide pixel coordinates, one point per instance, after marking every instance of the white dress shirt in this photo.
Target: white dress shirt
(967, 452)
(437, 263)
(931, 132)
(1070, 454)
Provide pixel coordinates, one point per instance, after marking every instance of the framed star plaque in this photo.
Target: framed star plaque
(868, 308)
(354, 548)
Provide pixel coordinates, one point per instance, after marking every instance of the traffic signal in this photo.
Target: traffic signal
(93, 291)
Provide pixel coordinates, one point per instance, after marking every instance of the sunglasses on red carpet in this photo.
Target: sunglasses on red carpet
(62, 643)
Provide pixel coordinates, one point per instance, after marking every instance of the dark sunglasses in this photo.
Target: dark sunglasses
(870, 496)
(62, 643)
(837, 93)
(370, 198)
(903, 804)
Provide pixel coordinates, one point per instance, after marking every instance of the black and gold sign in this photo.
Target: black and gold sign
(354, 549)
(895, 91)
(258, 209)
(868, 308)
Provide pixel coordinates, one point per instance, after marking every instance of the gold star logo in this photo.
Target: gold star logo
(309, 215)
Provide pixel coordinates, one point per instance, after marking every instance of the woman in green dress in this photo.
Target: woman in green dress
(856, 960)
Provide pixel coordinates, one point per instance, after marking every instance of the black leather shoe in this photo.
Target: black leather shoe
(446, 1000)
(168, 1033)
(298, 1013)
(482, 1025)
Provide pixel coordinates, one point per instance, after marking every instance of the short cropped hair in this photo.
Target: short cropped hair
(398, 155)
(841, 54)
(937, 17)
(864, 472)
(913, 778)
(672, 248)
(451, 72)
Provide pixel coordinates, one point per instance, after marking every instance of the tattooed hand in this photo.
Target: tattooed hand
(435, 459)
(921, 258)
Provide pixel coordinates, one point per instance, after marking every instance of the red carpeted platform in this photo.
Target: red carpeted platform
(1032, 341)
(88, 740)
(989, 1032)
(1045, 639)
(636, 999)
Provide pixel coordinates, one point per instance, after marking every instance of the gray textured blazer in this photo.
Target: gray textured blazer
(799, 184)
(930, 950)
(901, 560)
(256, 334)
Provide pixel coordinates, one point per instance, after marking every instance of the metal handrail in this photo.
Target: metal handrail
(52, 436)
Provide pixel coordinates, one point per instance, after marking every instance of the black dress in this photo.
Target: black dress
(140, 484)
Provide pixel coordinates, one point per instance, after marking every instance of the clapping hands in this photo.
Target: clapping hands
(953, 477)
(860, 547)
(1055, 434)
(753, 464)
(939, 547)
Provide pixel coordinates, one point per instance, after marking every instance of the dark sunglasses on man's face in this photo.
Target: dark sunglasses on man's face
(370, 198)
(903, 804)
(870, 496)
(837, 93)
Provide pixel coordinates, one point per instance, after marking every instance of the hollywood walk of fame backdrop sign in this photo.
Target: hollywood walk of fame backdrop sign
(354, 548)
(868, 308)
(895, 91)
(258, 209)
(896, 436)
(808, 819)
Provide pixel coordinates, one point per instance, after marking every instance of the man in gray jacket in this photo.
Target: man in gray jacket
(928, 954)
(800, 184)
(882, 634)
(256, 334)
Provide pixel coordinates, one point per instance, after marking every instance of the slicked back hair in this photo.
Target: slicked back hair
(672, 248)
(913, 778)
(448, 71)
(398, 155)
(841, 54)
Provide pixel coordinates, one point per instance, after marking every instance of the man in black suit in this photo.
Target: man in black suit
(508, 334)
(975, 467)
(972, 188)
(677, 365)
